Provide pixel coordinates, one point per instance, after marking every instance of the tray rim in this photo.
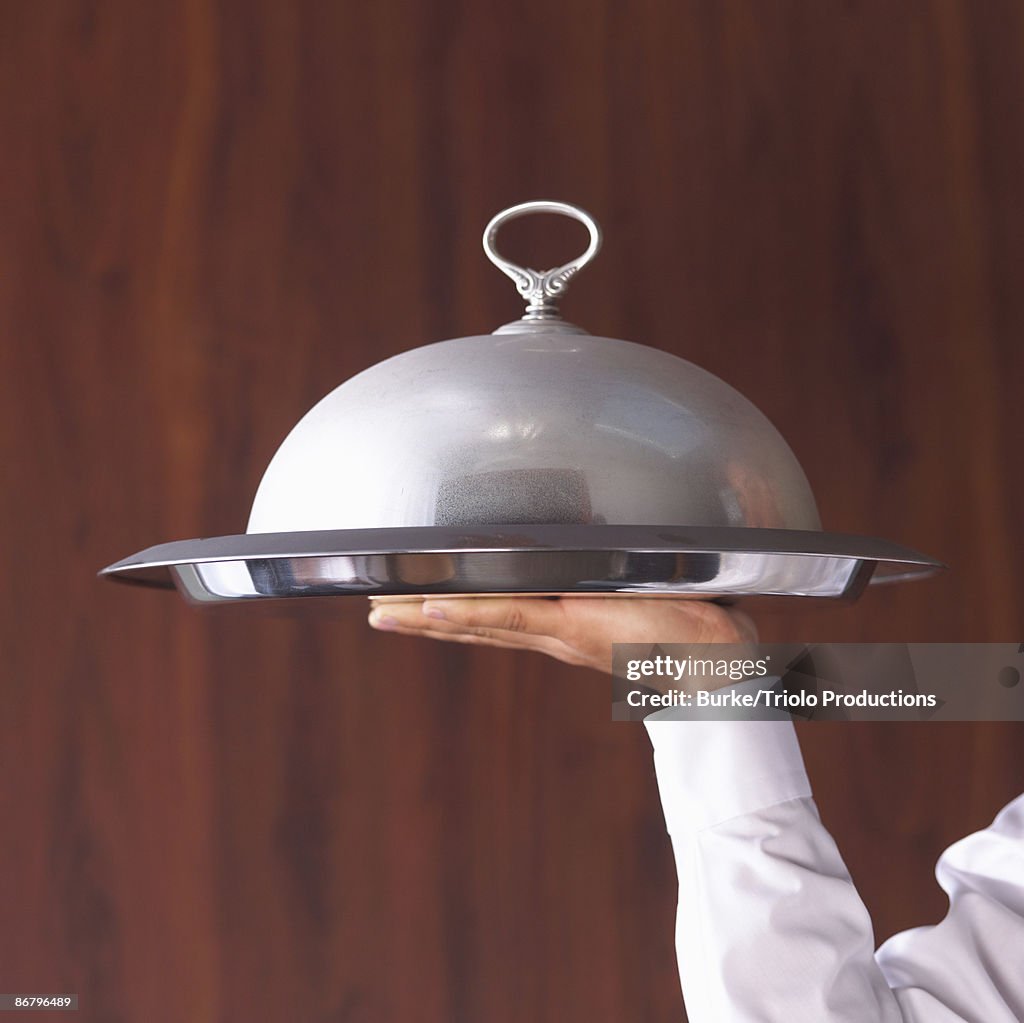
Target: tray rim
(897, 562)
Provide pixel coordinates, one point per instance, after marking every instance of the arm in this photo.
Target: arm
(769, 925)
(971, 965)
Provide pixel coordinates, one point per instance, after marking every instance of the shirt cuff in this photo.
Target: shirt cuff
(711, 771)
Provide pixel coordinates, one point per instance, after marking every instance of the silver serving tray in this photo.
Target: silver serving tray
(705, 562)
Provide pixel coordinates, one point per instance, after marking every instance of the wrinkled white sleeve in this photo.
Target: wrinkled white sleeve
(971, 965)
(769, 925)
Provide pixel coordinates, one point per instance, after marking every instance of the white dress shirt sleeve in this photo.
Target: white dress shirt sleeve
(769, 925)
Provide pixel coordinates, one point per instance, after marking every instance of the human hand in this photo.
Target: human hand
(577, 630)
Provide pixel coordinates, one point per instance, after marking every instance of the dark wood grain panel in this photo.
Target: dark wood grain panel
(214, 213)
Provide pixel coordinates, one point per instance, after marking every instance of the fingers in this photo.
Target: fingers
(451, 637)
(530, 616)
(407, 618)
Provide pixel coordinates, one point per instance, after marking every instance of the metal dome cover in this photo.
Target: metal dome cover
(537, 459)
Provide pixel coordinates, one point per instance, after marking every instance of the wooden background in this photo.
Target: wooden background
(214, 212)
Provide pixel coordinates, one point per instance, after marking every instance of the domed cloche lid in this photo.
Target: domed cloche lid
(537, 459)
